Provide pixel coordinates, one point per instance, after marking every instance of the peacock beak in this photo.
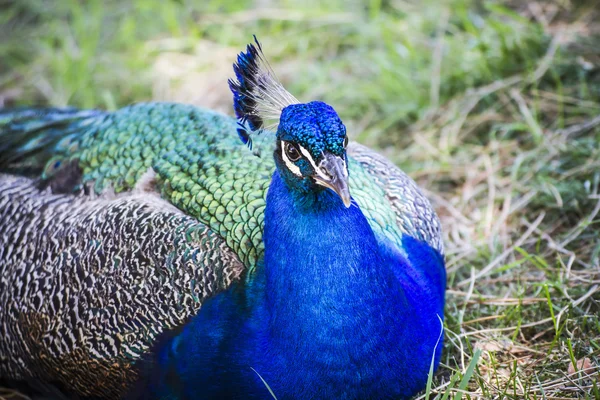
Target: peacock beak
(333, 174)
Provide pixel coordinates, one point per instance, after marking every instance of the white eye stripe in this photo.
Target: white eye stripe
(306, 154)
(345, 169)
(290, 165)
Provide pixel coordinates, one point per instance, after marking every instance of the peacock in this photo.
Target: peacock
(163, 251)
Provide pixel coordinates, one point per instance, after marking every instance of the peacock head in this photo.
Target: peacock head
(310, 153)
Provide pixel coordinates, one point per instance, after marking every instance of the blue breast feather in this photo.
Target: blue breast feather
(333, 312)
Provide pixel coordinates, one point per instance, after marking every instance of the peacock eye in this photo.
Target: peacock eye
(346, 141)
(292, 152)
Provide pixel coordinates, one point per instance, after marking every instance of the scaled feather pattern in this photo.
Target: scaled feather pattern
(146, 253)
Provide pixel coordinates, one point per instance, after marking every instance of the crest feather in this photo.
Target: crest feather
(258, 97)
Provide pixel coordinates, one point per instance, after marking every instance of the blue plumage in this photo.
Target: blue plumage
(244, 135)
(314, 125)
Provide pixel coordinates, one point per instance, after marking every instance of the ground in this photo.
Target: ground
(493, 107)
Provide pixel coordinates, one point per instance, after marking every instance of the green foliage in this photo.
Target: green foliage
(93, 54)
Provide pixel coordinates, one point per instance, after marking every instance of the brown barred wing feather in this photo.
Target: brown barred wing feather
(87, 283)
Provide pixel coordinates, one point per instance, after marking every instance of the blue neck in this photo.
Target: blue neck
(332, 313)
(319, 257)
(331, 296)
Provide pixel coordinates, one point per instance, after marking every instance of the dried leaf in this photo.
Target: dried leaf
(583, 365)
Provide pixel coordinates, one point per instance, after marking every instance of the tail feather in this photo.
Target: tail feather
(29, 136)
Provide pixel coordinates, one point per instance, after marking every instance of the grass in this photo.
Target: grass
(491, 106)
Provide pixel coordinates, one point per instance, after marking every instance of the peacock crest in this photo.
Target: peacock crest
(258, 96)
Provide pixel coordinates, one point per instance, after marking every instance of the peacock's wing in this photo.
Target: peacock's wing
(95, 259)
(29, 137)
(397, 206)
(87, 283)
(132, 218)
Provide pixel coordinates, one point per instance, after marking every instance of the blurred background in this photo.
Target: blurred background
(493, 107)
